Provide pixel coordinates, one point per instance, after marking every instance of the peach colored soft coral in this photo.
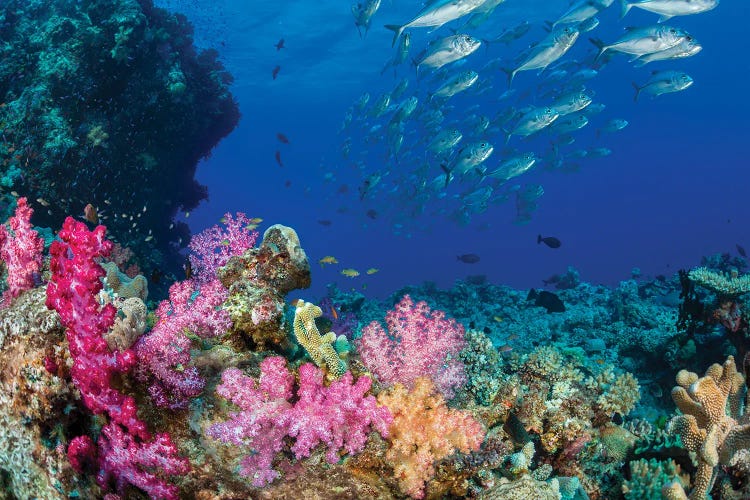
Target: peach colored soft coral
(425, 430)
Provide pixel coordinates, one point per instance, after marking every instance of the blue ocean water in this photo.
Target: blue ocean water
(671, 191)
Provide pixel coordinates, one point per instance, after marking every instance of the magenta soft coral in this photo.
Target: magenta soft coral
(339, 416)
(126, 451)
(72, 291)
(21, 251)
(419, 342)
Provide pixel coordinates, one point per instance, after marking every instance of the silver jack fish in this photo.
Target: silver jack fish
(448, 50)
(668, 9)
(363, 13)
(686, 48)
(641, 41)
(664, 82)
(547, 51)
(436, 14)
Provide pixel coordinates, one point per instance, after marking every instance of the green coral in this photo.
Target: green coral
(648, 477)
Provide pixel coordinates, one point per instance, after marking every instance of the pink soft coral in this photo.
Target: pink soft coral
(339, 416)
(164, 354)
(419, 342)
(263, 405)
(21, 251)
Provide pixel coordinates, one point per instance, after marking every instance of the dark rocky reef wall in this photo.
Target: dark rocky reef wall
(108, 102)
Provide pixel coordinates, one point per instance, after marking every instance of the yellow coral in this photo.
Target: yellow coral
(705, 427)
(425, 430)
(319, 347)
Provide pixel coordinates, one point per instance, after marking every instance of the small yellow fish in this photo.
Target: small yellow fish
(42, 202)
(225, 242)
(223, 220)
(351, 273)
(328, 259)
(372, 270)
(251, 227)
(498, 319)
(255, 220)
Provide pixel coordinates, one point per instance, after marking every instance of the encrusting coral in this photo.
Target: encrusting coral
(319, 347)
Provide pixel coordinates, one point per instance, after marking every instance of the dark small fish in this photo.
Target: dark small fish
(287, 183)
(550, 241)
(282, 138)
(741, 251)
(547, 300)
(275, 72)
(468, 258)
(372, 213)
(156, 276)
(279, 45)
(278, 158)
(343, 189)
(325, 222)
(188, 267)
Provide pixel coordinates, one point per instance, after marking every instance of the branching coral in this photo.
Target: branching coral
(711, 424)
(731, 286)
(425, 430)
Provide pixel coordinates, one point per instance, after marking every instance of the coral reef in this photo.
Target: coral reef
(109, 103)
(258, 280)
(210, 395)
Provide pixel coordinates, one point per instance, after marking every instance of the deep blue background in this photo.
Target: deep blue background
(675, 188)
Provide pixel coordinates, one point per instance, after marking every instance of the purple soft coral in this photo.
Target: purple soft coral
(212, 248)
(339, 415)
(129, 462)
(164, 354)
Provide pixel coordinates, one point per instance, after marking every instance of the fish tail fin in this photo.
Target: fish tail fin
(625, 8)
(664, 17)
(600, 45)
(448, 174)
(538, 239)
(508, 135)
(637, 90)
(397, 30)
(511, 75)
